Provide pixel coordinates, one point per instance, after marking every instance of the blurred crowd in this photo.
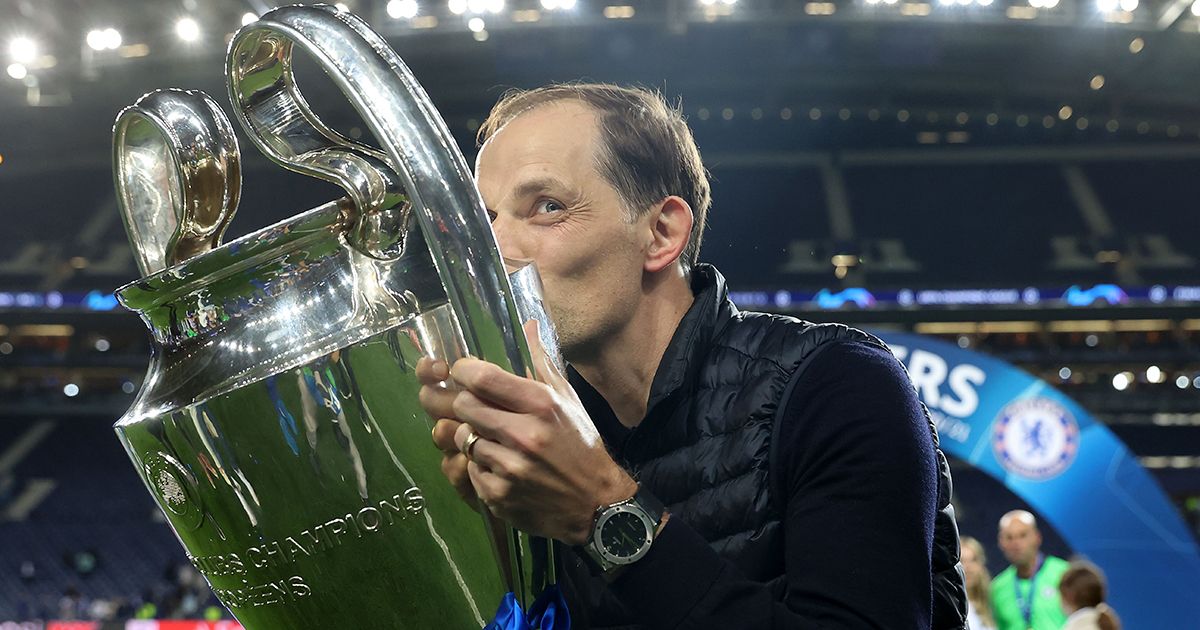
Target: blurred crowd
(1036, 591)
(182, 594)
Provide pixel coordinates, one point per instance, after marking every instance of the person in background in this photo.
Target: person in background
(979, 584)
(1025, 595)
(1082, 590)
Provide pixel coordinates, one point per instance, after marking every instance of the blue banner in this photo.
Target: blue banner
(1070, 468)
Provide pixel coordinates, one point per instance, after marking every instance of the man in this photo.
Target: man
(700, 467)
(1025, 595)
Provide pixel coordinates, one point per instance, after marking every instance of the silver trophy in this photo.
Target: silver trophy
(278, 427)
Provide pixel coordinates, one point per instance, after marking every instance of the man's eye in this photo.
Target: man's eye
(547, 206)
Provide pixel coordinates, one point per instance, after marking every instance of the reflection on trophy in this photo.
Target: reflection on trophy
(278, 427)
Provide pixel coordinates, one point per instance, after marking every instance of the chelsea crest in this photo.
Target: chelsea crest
(1036, 438)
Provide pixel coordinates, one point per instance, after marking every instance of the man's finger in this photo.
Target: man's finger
(438, 401)
(462, 433)
(500, 425)
(430, 371)
(491, 455)
(454, 467)
(490, 487)
(490, 382)
(443, 435)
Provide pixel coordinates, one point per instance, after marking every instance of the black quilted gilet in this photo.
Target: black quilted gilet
(704, 448)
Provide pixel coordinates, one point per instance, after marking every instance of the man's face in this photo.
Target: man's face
(1020, 541)
(538, 178)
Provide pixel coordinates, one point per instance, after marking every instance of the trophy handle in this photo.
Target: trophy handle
(419, 150)
(178, 176)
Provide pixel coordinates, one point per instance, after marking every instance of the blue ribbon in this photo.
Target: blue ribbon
(549, 612)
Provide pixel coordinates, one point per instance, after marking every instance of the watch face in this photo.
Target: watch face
(623, 535)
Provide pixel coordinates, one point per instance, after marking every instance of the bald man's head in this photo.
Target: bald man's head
(1023, 516)
(1019, 538)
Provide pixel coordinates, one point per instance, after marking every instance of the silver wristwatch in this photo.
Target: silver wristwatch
(623, 532)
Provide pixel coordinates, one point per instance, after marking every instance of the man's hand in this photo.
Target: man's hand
(540, 463)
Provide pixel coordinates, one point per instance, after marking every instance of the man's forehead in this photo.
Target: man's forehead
(550, 137)
(559, 123)
(1017, 527)
(570, 110)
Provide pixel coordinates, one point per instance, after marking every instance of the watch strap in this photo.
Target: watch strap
(650, 504)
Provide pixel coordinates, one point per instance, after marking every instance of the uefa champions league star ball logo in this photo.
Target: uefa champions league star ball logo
(1035, 438)
(175, 489)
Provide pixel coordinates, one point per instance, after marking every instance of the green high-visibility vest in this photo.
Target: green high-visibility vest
(1040, 594)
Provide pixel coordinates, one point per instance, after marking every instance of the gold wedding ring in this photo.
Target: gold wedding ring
(469, 443)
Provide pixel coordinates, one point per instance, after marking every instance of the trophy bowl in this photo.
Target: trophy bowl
(278, 427)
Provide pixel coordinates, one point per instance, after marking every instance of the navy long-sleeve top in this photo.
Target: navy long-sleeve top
(860, 474)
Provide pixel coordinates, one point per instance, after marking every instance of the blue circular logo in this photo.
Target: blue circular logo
(1035, 438)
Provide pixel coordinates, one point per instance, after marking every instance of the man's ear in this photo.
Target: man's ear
(670, 227)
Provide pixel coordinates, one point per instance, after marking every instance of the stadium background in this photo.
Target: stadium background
(1014, 177)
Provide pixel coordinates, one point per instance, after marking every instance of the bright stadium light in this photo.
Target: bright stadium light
(1196, 8)
(23, 50)
(187, 29)
(457, 7)
(95, 39)
(71, 390)
(249, 18)
(1182, 381)
(476, 25)
(1129, 5)
(1120, 382)
(104, 39)
(1154, 374)
(1107, 6)
(403, 9)
(18, 71)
